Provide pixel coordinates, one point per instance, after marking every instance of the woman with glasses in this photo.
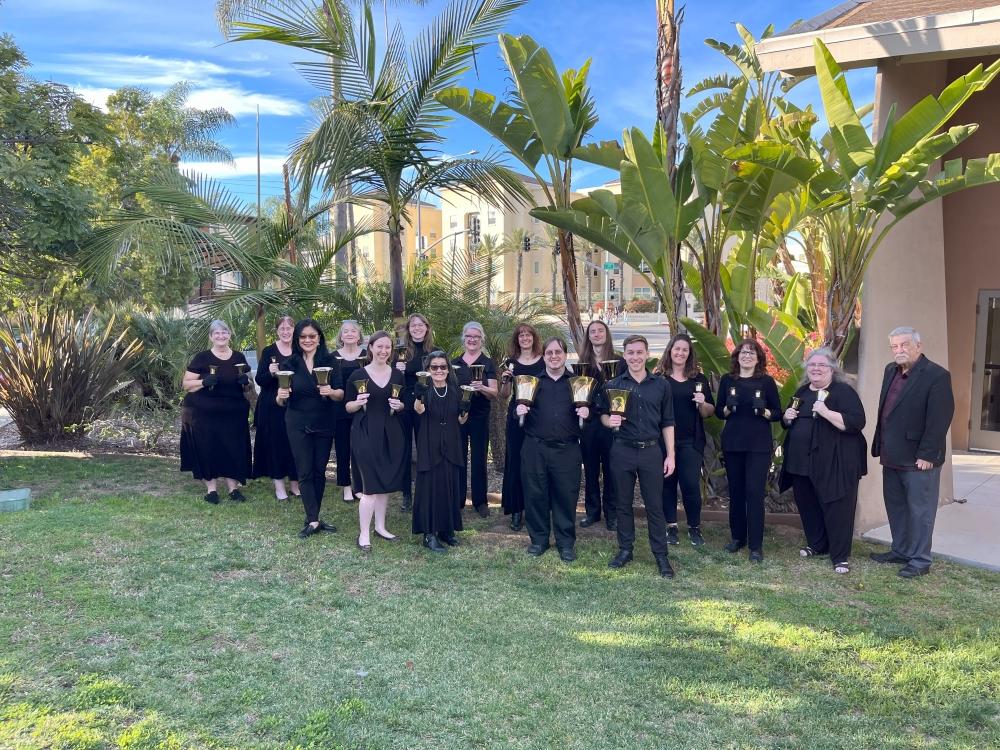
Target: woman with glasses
(272, 455)
(824, 457)
(418, 340)
(596, 442)
(437, 498)
(309, 417)
(215, 434)
(524, 357)
(349, 356)
(476, 431)
(693, 403)
(748, 401)
(377, 443)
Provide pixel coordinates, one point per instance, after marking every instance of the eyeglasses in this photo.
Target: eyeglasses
(438, 367)
(818, 366)
(308, 336)
(473, 338)
(751, 352)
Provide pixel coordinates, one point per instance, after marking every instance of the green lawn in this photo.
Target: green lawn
(134, 615)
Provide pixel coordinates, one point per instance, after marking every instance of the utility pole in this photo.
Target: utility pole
(555, 264)
(288, 211)
(606, 283)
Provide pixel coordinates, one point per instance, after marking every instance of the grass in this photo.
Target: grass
(136, 616)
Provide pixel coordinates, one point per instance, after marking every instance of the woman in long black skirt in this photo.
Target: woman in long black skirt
(215, 433)
(436, 510)
(524, 357)
(309, 417)
(418, 339)
(272, 455)
(376, 437)
(350, 356)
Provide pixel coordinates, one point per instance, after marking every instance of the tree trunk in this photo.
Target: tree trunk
(668, 75)
(517, 294)
(570, 291)
(261, 333)
(397, 290)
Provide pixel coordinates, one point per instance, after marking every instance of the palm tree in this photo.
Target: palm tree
(382, 135)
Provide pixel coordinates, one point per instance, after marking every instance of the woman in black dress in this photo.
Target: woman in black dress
(418, 340)
(524, 357)
(215, 433)
(349, 356)
(377, 442)
(272, 455)
(309, 417)
(825, 456)
(693, 402)
(596, 441)
(748, 401)
(436, 504)
(476, 431)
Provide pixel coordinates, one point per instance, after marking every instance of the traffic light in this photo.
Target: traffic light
(474, 229)
(611, 283)
(527, 244)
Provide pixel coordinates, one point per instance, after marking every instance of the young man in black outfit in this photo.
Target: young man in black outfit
(637, 452)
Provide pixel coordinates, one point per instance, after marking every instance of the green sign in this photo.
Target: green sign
(609, 266)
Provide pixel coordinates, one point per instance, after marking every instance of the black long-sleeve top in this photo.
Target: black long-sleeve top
(268, 383)
(650, 407)
(305, 405)
(413, 365)
(347, 368)
(689, 428)
(553, 416)
(745, 431)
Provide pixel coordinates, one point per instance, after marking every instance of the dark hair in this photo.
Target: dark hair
(558, 340)
(428, 342)
(438, 354)
(666, 365)
(587, 353)
(321, 350)
(633, 339)
(283, 317)
(372, 339)
(734, 358)
(514, 348)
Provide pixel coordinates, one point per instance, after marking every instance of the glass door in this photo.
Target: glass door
(985, 406)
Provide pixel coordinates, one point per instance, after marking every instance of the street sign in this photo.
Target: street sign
(609, 266)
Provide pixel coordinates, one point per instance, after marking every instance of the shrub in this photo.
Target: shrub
(641, 305)
(59, 372)
(168, 345)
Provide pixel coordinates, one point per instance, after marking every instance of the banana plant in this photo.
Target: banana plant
(862, 193)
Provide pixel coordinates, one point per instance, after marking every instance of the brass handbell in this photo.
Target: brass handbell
(609, 368)
(322, 375)
(395, 389)
(212, 370)
(478, 371)
(285, 378)
(241, 367)
(525, 387)
(362, 387)
(821, 394)
(579, 368)
(402, 355)
(796, 402)
(618, 399)
(466, 402)
(582, 387)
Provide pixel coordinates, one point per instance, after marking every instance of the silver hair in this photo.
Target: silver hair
(837, 376)
(913, 333)
(473, 326)
(219, 325)
(354, 324)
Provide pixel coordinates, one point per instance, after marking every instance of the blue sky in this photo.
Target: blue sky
(97, 46)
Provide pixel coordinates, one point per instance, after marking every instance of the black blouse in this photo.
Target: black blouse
(689, 428)
(227, 394)
(747, 430)
(480, 404)
(347, 368)
(304, 398)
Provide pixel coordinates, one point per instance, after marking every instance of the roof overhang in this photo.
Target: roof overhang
(968, 33)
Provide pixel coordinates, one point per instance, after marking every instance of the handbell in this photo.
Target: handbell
(362, 387)
(525, 387)
(609, 368)
(579, 368)
(466, 403)
(582, 386)
(618, 399)
(402, 355)
(212, 370)
(285, 379)
(796, 402)
(698, 387)
(322, 375)
(424, 378)
(396, 389)
(821, 394)
(478, 372)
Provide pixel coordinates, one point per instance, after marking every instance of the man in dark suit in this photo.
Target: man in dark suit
(914, 414)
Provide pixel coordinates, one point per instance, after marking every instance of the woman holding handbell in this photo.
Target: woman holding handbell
(477, 370)
(313, 384)
(215, 433)
(436, 508)
(524, 357)
(824, 457)
(377, 443)
(272, 455)
(414, 343)
(350, 356)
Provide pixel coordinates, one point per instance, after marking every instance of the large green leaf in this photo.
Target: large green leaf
(711, 349)
(984, 171)
(851, 143)
(785, 338)
(603, 153)
(498, 119)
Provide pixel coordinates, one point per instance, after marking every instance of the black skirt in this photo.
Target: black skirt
(215, 444)
(436, 506)
(272, 456)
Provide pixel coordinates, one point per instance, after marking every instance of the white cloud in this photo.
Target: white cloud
(96, 96)
(244, 166)
(240, 102)
(147, 71)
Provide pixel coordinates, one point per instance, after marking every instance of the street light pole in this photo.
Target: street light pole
(420, 191)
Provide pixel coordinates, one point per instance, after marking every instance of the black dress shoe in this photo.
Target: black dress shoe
(407, 505)
(451, 540)
(324, 526)
(663, 565)
(909, 571)
(536, 549)
(735, 545)
(672, 535)
(584, 523)
(431, 542)
(623, 558)
(516, 521)
(756, 556)
(612, 524)
(237, 497)
(212, 497)
(483, 510)
(308, 530)
(888, 557)
(567, 554)
(366, 548)
(696, 538)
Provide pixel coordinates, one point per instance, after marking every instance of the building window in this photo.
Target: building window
(537, 269)
(491, 216)
(433, 235)
(644, 267)
(453, 222)
(643, 292)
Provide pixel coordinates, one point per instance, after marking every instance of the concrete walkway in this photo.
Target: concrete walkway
(966, 532)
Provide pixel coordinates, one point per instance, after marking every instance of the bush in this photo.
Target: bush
(641, 305)
(168, 344)
(58, 372)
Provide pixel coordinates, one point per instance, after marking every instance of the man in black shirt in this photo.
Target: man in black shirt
(637, 452)
(550, 457)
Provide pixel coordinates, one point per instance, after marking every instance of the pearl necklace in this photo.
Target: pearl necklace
(439, 394)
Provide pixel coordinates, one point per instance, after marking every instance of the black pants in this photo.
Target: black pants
(688, 476)
(596, 444)
(646, 465)
(747, 476)
(550, 476)
(475, 435)
(829, 527)
(342, 433)
(311, 451)
(410, 422)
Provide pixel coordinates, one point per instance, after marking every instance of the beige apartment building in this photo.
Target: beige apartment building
(373, 248)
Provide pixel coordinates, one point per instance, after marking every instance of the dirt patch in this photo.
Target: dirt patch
(240, 574)
(105, 640)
